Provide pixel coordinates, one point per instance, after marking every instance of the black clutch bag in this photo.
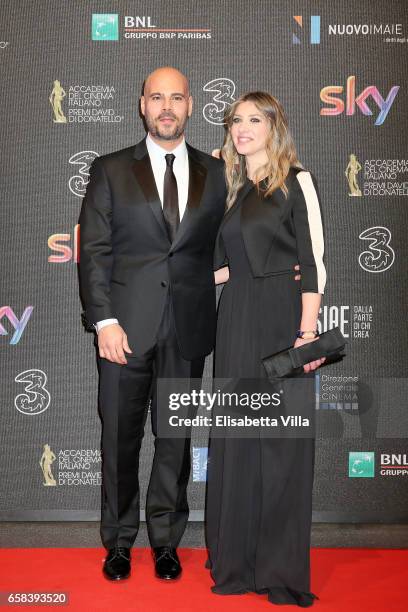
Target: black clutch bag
(290, 362)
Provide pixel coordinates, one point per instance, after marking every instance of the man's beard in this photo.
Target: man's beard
(173, 134)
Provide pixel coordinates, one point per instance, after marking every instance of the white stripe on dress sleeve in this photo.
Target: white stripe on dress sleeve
(315, 225)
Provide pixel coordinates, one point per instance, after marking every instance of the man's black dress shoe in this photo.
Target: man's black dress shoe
(167, 563)
(117, 563)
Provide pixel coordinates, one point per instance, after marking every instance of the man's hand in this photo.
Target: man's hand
(112, 342)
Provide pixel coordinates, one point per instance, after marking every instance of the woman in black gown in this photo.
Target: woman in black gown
(258, 509)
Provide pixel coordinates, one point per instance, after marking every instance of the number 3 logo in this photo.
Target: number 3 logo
(223, 90)
(77, 184)
(36, 398)
(379, 255)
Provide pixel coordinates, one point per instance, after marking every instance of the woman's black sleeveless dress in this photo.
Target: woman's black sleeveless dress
(259, 490)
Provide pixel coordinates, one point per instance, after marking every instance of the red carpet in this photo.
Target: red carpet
(357, 580)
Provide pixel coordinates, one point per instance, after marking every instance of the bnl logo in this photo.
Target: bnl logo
(105, 26)
(18, 324)
(314, 30)
(361, 465)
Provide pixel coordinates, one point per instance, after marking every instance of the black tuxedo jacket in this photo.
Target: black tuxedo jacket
(280, 232)
(127, 262)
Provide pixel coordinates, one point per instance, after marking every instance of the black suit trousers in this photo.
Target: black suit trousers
(125, 392)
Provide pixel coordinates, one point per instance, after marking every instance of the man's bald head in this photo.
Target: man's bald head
(166, 75)
(166, 105)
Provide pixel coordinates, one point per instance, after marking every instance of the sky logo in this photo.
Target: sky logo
(314, 29)
(337, 105)
(105, 26)
(18, 324)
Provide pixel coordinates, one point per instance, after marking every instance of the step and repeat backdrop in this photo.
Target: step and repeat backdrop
(71, 77)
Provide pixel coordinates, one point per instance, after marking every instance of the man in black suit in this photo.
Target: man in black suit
(148, 227)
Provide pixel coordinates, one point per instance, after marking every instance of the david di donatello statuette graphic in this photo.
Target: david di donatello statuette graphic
(47, 459)
(56, 97)
(351, 172)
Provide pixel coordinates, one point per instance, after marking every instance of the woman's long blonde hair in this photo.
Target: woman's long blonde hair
(279, 146)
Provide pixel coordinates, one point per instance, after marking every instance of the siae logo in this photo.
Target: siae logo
(334, 316)
(314, 30)
(338, 105)
(361, 465)
(18, 324)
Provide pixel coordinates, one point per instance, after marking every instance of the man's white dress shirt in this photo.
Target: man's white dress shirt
(181, 172)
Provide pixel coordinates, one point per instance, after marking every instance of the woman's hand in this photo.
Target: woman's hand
(313, 365)
(221, 275)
